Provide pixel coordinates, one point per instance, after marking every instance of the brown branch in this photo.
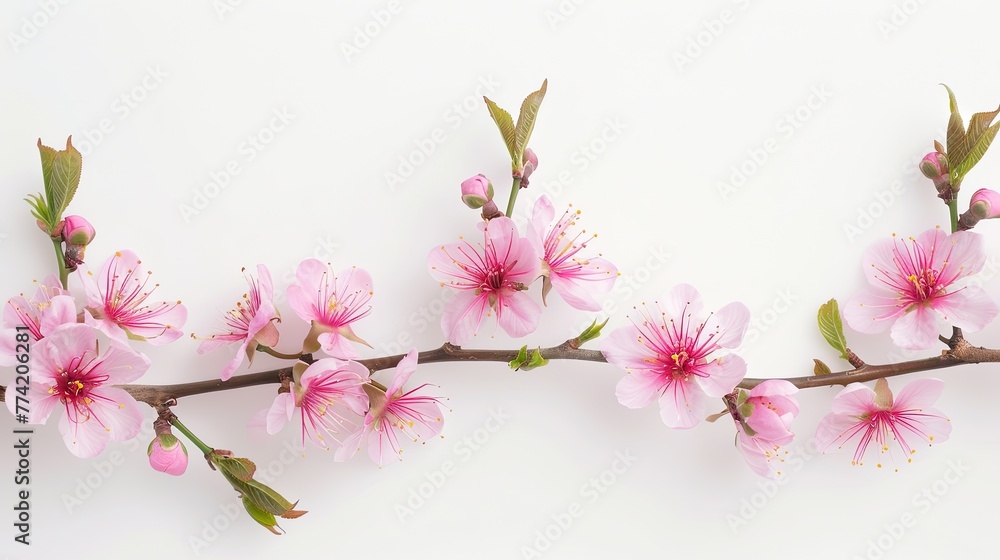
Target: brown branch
(961, 352)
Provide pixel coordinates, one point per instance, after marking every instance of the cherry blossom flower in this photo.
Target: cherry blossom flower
(331, 401)
(394, 414)
(763, 422)
(68, 370)
(490, 278)
(668, 353)
(578, 280)
(250, 323)
(913, 282)
(331, 303)
(117, 306)
(49, 307)
(859, 412)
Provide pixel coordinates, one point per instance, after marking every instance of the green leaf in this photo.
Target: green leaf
(820, 368)
(39, 209)
(506, 125)
(48, 156)
(526, 121)
(536, 361)
(976, 153)
(237, 467)
(520, 360)
(592, 332)
(831, 327)
(266, 519)
(64, 178)
(266, 498)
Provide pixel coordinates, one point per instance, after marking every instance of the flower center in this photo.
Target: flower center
(494, 279)
(924, 283)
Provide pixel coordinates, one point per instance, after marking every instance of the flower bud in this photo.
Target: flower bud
(934, 166)
(530, 164)
(985, 203)
(477, 191)
(167, 454)
(77, 231)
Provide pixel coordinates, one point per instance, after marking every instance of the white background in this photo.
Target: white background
(652, 188)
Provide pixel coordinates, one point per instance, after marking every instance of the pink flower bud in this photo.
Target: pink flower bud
(530, 164)
(985, 204)
(477, 191)
(934, 166)
(167, 455)
(77, 231)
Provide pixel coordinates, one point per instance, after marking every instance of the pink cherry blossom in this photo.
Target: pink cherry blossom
(668, 354)
(579, 280)
(116, 302)
(67, 370)
(167, 454)
(331, 303)
(331, 402)
(859, 412)
(913, 282)
(250, 323)
(394, 414)
(49, 307)
(490, 278)
(769, 409)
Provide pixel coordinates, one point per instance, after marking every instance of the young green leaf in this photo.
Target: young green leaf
(831, 327)
(266, 519)
(65, 178)
(592, 332)
(520, 360)
(506, 125)
(526, 121)
(48, 156)
(536, 361)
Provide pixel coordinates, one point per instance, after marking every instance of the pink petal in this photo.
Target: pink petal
(55, 351)
(523, 263)
(234, 363)
(682, 405)
(60, 311)
(40, 402)
(755, 455)
(879, 259)
(279, 413)
(623, 349)
(964, 252)
(769, 426)
(404, 369)
(380, 447)
(118, 411)
(918, 394)
(872, 310)
(517, 314)
(724, 374)
(936, 427)
(834, 429)
(301, 302)
(85, 440)
(683, 300)
(352, 443)
(542, 214)
(309, 276)
(449, 264)
(122, 365)
(969, 308)
(337, 346)
(640, 388)
(916, 330)
(165, 329)
(463, 315)
(856, 399)
(432, 423)
(731, 323)
(773, 387)
(8, 347)
(582, 288)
